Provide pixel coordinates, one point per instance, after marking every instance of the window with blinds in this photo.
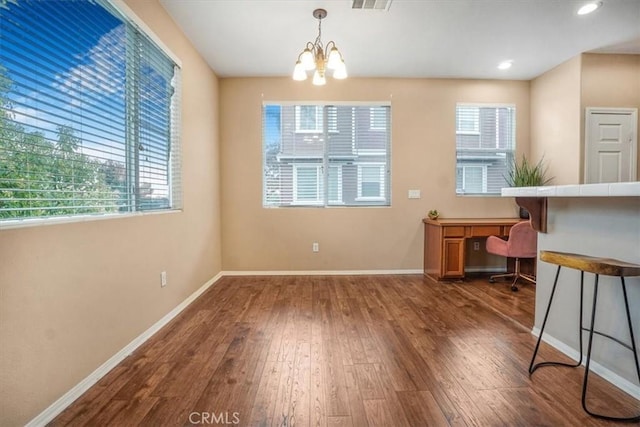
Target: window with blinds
(89, 113)
(326, 155)
(485, 148)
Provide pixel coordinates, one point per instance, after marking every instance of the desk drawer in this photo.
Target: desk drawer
(453, 231)
(486, 230)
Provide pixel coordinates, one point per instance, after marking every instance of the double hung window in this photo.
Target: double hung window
(326, 155)
(89, 113)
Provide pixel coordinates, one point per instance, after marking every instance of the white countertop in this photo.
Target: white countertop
(617, 189)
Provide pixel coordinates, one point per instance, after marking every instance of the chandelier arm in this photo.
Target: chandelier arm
(311, 47)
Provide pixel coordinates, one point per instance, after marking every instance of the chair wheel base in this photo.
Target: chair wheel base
(491, 280)
(514, 288)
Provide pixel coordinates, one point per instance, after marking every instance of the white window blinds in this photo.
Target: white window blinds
(326, 155)
(485, 148)
(89, 113)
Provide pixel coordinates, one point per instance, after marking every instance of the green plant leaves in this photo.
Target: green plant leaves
(526, 174)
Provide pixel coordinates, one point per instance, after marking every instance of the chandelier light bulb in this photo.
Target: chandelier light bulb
(307, 59)
(335, 59)
(340, 72)
(589, 7)
(319, 79)
(299, 72)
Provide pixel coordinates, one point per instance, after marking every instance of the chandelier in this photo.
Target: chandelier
(314, 57)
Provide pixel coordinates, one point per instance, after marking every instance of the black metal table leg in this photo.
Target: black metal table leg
(589, 345)
(533, 367)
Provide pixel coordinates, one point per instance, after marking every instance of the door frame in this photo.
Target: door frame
(634, 143)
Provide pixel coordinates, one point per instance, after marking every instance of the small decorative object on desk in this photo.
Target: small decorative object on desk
(433, 214)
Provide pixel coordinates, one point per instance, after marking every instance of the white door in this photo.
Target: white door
(610, 144)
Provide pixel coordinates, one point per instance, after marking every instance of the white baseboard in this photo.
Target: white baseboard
(320, 273)
(615, 379)
(69, 397)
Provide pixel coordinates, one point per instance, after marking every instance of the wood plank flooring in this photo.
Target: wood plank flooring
(345, 351)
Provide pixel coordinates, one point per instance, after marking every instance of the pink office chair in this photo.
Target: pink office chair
(522, 243)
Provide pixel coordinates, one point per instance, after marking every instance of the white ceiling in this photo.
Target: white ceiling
(414, 38)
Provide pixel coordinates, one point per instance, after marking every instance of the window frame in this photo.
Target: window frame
(174, 160)
(279, 153)
(486, 156)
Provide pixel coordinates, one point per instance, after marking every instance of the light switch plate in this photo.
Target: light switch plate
(414, 194)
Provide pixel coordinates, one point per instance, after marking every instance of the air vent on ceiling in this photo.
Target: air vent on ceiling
(371, 4)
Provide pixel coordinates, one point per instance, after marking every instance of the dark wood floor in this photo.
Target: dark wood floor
(348, 350)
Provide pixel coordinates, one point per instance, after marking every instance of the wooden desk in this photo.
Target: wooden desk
(444, 242)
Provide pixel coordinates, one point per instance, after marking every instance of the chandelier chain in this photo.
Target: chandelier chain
(318, 39)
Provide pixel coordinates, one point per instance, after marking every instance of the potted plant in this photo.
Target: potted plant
(433, 214)
(527, 174)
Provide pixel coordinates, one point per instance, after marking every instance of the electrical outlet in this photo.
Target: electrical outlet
(163, 279)
(476, 246)
(315, 247)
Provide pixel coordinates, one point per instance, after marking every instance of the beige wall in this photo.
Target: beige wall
(73, 295)
(558, 101)
(610, 81)
(555, 121)
(423, 146)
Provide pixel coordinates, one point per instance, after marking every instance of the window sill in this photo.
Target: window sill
(39, 222)
(317, 131)
(478, 194)
(370, 199)
(309, 203)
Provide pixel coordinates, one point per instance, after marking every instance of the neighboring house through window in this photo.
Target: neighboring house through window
(485, 147)
(472, 178)
(307, 184)
(308, 118)
(345, 164)
(371, 181)
(378, 118)
(468, 120)
(334, 185)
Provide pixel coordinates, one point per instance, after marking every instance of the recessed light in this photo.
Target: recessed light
(505, 65)
(589, 7)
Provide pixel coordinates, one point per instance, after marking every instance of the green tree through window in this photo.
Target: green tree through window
(89, 113)
(43, 178)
